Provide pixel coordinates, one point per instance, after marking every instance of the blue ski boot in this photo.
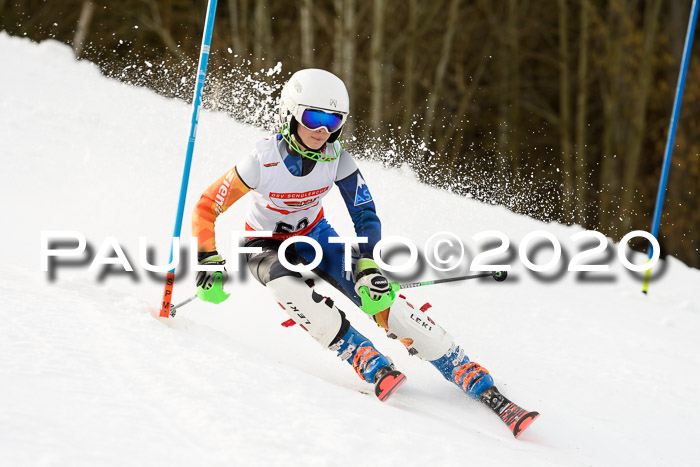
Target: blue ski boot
(470, 376)
(369, 363)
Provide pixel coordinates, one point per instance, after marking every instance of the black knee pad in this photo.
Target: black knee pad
(265, 266)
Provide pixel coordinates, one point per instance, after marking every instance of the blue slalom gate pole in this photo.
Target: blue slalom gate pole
(201, 74)
(672, 134)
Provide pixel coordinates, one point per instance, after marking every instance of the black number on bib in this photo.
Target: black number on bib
(302, 224)
(284, 228)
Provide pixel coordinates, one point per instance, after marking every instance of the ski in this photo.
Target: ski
(515, 417)
(388, 383)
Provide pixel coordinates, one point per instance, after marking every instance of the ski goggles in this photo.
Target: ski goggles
(313, 119)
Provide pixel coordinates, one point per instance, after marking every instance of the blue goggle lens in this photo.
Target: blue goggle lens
(314, 119)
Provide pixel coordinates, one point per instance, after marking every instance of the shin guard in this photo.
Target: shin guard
(429, 341)
(420, 335)
(307, 308)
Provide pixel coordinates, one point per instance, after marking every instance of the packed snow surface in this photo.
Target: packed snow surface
(88, 377)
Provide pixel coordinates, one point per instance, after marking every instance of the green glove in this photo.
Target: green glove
(210, 284)
(375, 290)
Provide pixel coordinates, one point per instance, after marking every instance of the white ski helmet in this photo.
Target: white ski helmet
(314, 89)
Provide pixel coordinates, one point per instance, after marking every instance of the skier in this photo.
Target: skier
(288, 176)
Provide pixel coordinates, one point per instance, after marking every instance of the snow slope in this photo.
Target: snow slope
(88, 377)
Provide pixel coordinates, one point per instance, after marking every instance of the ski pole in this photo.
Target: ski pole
(500, 276)
(174, 308)
(374, 306)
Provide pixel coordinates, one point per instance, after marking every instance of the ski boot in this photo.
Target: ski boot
(369, 364)
(455, 366)
(476, 381)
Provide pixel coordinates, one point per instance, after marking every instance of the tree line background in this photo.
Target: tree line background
(558, 109)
